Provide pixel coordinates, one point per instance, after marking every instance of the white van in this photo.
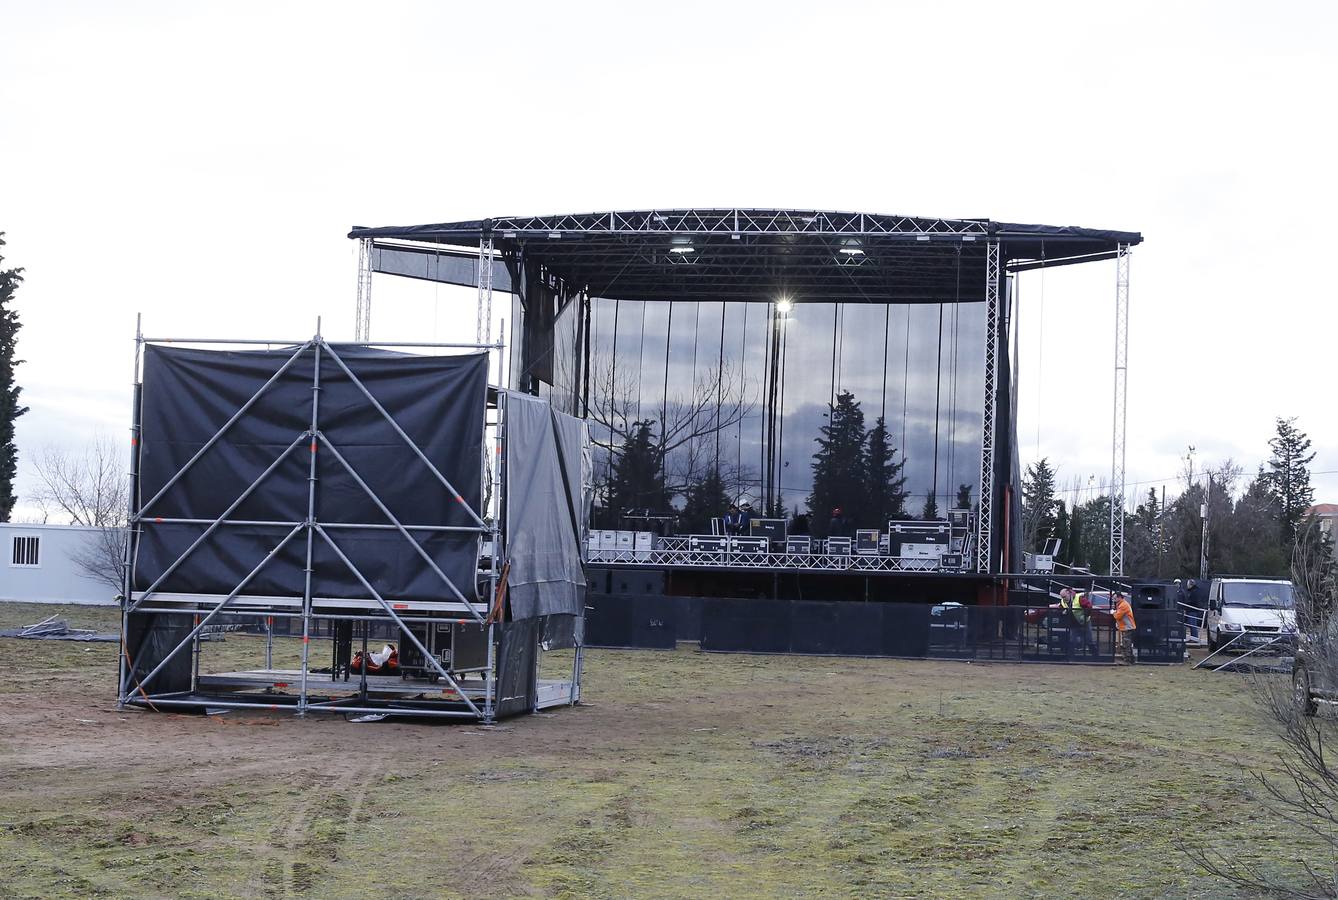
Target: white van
(1246, 613)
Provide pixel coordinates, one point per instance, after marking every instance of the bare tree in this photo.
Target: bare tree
(687, 422)
(90, 488)
(1304, 791)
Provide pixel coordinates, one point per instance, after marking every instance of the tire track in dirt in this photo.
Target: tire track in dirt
(321, 821)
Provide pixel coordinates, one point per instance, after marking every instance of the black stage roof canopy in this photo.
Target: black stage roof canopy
(756, 254)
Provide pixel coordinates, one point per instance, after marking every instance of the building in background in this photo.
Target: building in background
(1327, 515)
(45, 564)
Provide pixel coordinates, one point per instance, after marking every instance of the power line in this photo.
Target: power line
(1194, 480)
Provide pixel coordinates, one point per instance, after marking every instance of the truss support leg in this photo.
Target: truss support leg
(1120, 411)
(985, 518)
(362, 325)
(484, 331)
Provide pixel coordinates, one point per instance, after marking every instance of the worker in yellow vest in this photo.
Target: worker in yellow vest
(1078, 611)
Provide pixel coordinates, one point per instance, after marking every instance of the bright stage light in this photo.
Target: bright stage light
(684, 249)
(784, 305)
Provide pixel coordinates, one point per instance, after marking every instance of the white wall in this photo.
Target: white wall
(56, 578)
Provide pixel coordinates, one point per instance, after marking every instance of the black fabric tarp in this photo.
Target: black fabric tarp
(545, 512)
(149, 638)
(517, 666)
(189, 394)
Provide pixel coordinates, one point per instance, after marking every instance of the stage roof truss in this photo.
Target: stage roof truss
(759, 255)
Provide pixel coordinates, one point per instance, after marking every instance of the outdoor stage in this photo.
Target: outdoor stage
(717, 353)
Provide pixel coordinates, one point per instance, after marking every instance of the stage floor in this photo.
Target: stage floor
(551, 692)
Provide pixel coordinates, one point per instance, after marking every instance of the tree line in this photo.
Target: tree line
(856, 469)
(1244, 526)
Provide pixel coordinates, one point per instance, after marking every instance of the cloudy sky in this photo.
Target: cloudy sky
(201, 164)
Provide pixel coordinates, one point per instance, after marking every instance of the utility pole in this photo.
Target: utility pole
(1161, 531)
(1203, 541)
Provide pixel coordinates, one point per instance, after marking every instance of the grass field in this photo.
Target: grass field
(684, 775)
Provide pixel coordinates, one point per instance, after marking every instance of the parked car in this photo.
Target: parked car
(1101, 603)
(1250, 613)
(947, 617)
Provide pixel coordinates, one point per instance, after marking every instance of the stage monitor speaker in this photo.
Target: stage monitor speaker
(638, 582)
(772, 529)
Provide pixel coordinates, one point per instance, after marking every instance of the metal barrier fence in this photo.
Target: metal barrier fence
(1043, 634)
(846, 628)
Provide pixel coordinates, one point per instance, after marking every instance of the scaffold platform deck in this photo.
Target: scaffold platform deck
(551, 692)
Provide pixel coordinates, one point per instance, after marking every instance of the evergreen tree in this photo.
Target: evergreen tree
(706, 499)
(1289, 476)
(1245, 540)
(1314, 572)
(1038, 505)
(1142, 536)
(638, 473)
(1095, 550)
(839, 466)
(1183, 533)
(886, 489)
(1148, 513)
(1062, 529)
(9, 391)
(963, 497)
(1077, 521)
(930, 511)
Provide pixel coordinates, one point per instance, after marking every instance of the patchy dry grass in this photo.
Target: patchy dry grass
(686, 775)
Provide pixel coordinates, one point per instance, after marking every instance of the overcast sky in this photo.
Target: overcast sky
(202, 163)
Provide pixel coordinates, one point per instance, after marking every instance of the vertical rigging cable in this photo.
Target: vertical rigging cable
(719, 386)
(1040, 353)
(905, 379)
(887, 319)
(952, 403)
(938, 394)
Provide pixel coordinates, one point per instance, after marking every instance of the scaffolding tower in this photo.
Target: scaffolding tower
(459, 654)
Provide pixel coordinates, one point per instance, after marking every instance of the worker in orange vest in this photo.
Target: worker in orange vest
(1125, 627)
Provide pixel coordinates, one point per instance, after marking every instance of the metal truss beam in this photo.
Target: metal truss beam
(985, 520)
(736, 221)
(675, 552)
(1120, 411)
